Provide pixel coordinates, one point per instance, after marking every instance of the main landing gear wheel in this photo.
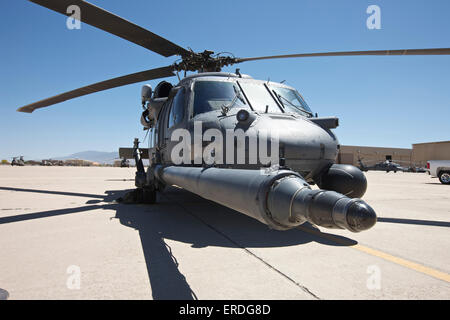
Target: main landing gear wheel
(139, 195)
(146, 195)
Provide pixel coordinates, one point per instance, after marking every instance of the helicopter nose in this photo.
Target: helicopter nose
(301, 139)
(305, 146)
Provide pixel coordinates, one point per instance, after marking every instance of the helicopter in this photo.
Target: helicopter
(50, 163)
(390, 165)
(124, 163)
(386, 165)
(210, 134)
(46, 163)
(18, 162)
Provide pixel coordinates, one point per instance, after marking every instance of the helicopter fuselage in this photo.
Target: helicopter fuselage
(211, 135)
(214, 116)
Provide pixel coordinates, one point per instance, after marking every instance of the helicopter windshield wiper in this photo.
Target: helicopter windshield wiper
(280, 98)
(237, 95)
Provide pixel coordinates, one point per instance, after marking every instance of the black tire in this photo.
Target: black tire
(444, 177)
(145, 195)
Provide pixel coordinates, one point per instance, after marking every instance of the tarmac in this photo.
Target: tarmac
(63, 236)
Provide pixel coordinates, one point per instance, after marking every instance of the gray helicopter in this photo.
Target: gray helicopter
(46, 163)
(125, 163)
(18, 161)
(209, 134)
(386, 165)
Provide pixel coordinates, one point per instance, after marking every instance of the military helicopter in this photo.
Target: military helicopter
(50, 163)
(125, 163)
(46, 163)
(18, 162)
(387, 165)
(275, 192)
(122, 162)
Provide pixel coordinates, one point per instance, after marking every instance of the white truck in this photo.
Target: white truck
(440, 169)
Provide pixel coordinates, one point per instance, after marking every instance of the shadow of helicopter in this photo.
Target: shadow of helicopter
(184, 217)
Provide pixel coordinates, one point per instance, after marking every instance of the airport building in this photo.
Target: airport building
(416, 156)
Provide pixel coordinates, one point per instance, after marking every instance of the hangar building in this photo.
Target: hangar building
(416, 156)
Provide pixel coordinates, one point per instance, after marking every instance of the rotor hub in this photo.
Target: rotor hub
(203, 62)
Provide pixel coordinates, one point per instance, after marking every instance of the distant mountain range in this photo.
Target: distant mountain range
(96, 156)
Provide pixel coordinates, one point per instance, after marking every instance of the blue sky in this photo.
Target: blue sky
(381, 101)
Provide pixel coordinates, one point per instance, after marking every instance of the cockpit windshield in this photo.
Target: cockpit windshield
(261, 97)
(216, 95)
(291, 100)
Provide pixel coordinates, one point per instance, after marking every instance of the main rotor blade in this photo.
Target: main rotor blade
(404, 52)
(116, 25)
(100, 86)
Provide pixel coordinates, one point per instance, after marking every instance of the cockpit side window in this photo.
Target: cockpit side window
(291, 100)
(176, 113)
(213, 95)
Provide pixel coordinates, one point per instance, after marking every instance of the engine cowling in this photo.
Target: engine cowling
(162, 90)
(155, 100)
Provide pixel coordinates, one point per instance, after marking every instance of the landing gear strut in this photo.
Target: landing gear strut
(144, 193)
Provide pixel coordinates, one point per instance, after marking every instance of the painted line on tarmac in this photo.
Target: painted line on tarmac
(400, 261)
